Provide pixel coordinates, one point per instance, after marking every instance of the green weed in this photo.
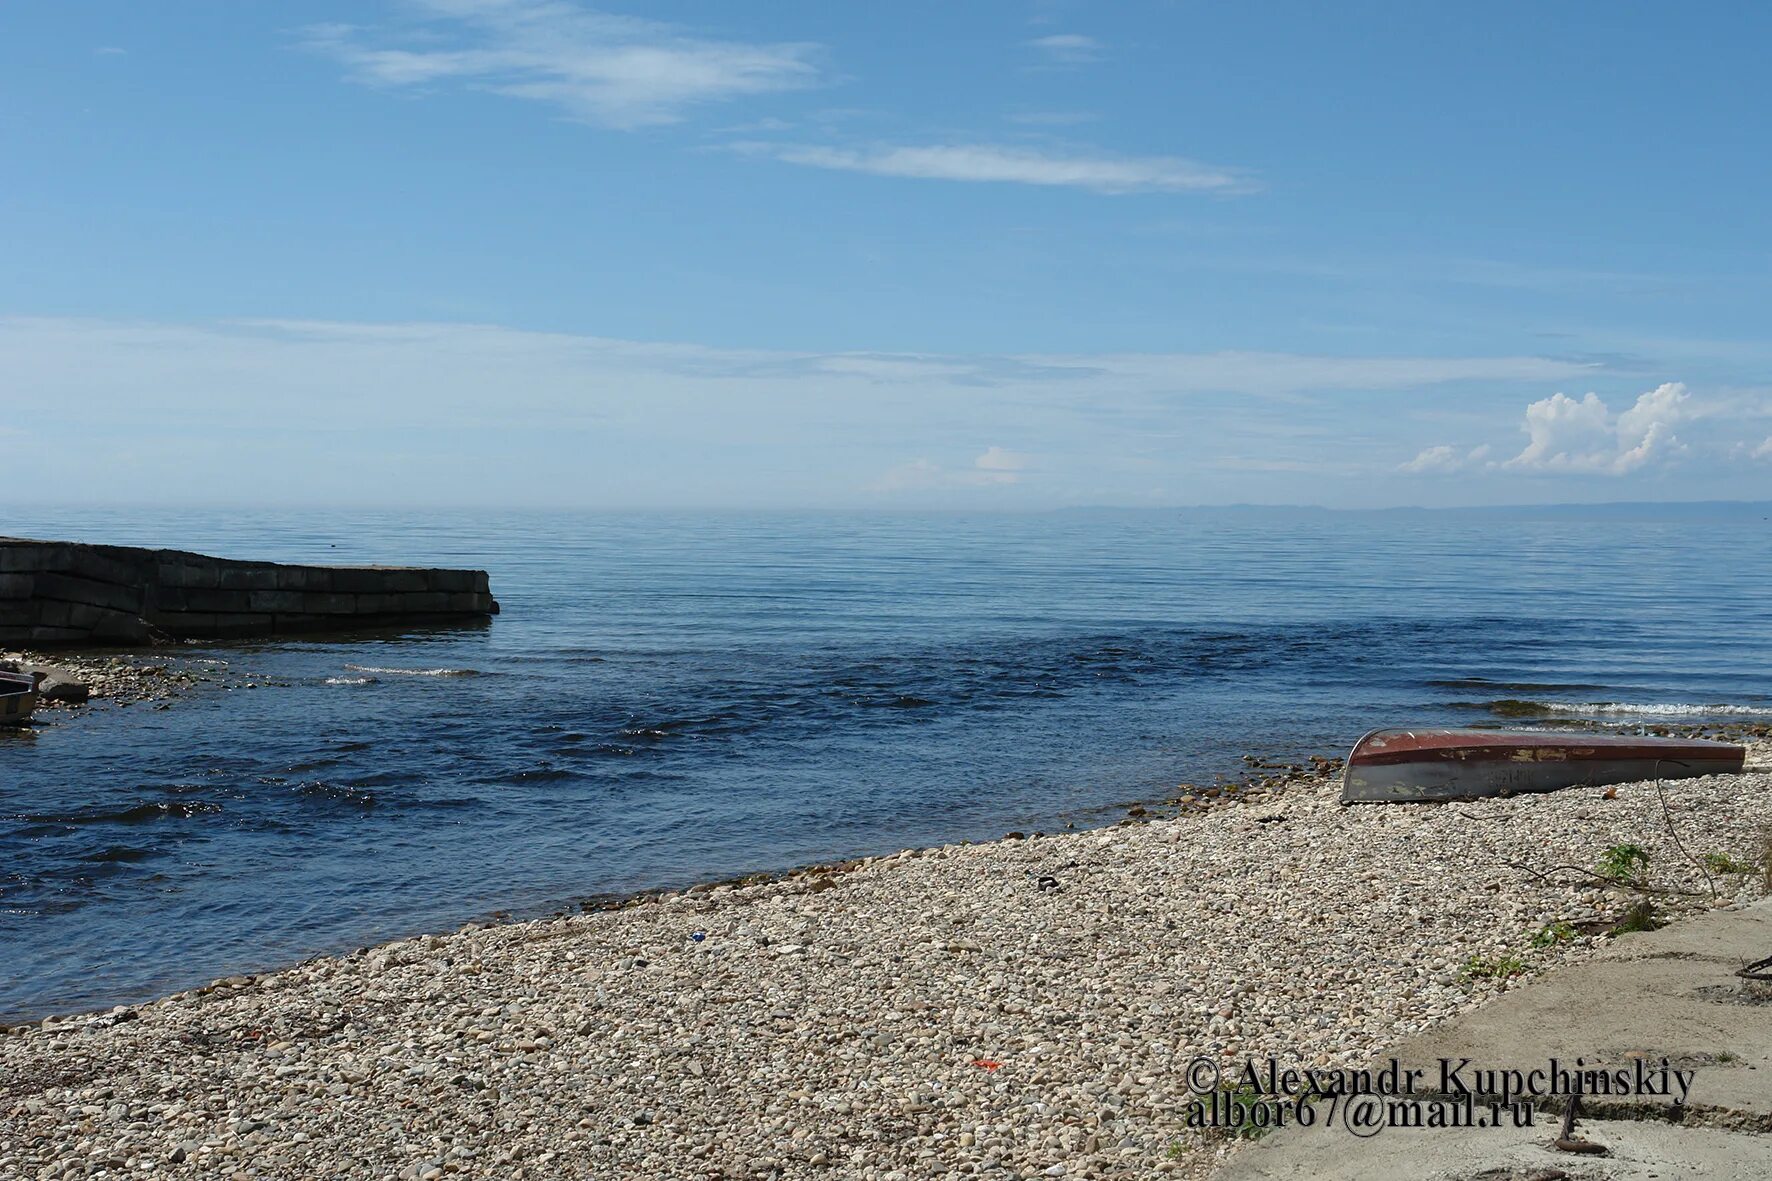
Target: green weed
(1477, 968)
(1624, 863)
(1723, 863)
(1552, 934)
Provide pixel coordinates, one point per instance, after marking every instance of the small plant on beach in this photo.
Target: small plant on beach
(1552, 934)
(1723, 863)
(1500, 968)
(1624, 863)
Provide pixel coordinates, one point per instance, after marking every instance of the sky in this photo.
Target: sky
(1008, 254)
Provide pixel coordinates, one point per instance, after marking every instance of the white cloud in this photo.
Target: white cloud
(996, 459)
(1582, 436)
(995, 467)
(1068, 48)
(1433, 459)
(614, 71)
(1565, 435)
(925, 475)
(1445, 458)
(1016, 165)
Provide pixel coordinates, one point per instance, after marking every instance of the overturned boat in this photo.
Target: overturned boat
(18, 697)
(1395, 766)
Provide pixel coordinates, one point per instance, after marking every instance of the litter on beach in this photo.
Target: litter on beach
(1400, 766)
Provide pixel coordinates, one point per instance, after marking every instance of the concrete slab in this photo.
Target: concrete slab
(1637, 1152)
(1665, 1007)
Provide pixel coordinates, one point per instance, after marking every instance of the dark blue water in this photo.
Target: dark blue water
(676, 697)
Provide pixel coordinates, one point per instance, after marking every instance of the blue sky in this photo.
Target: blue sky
(991, 255)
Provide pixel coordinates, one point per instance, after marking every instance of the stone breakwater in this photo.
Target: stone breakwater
(1024, 1008)
(54, 593)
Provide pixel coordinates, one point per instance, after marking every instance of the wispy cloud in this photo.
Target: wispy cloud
(613, 71)
(1071, 49)
(1098, 173)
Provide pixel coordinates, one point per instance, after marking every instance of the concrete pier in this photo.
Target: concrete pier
(66, 593)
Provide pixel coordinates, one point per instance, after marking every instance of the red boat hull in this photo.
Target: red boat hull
(1389, 766)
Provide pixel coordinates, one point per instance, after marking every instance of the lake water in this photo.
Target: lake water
(668, 698)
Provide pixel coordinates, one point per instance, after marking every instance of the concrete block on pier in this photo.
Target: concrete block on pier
(64, 593)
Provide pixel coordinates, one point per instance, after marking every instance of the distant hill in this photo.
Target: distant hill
(1622, 510)
(1626, 510)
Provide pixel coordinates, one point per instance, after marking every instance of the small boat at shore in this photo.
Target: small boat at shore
(18, 697)
(1397, 766)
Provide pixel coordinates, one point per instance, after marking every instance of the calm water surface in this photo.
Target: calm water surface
(674, 697)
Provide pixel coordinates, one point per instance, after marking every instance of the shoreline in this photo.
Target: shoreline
(1112, 815)
(1259, 779)
(929, 1010)
(119, 677)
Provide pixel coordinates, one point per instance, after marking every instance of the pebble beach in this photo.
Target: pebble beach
(1020, 1008)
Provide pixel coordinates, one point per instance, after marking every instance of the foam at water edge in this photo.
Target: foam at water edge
(1660, 709)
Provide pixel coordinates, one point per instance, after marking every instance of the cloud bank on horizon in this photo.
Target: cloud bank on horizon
(1570, 436)
(405, 412)
(1005, 255)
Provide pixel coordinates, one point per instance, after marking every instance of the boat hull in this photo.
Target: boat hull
(1393, 766)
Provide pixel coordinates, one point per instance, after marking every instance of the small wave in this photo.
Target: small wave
(119, 853)
(140, 814)
(337, 793)
(720, 722)
(350, 680)
(1658, 709)
(415, 672)
(903, 701)
(1514, 686)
